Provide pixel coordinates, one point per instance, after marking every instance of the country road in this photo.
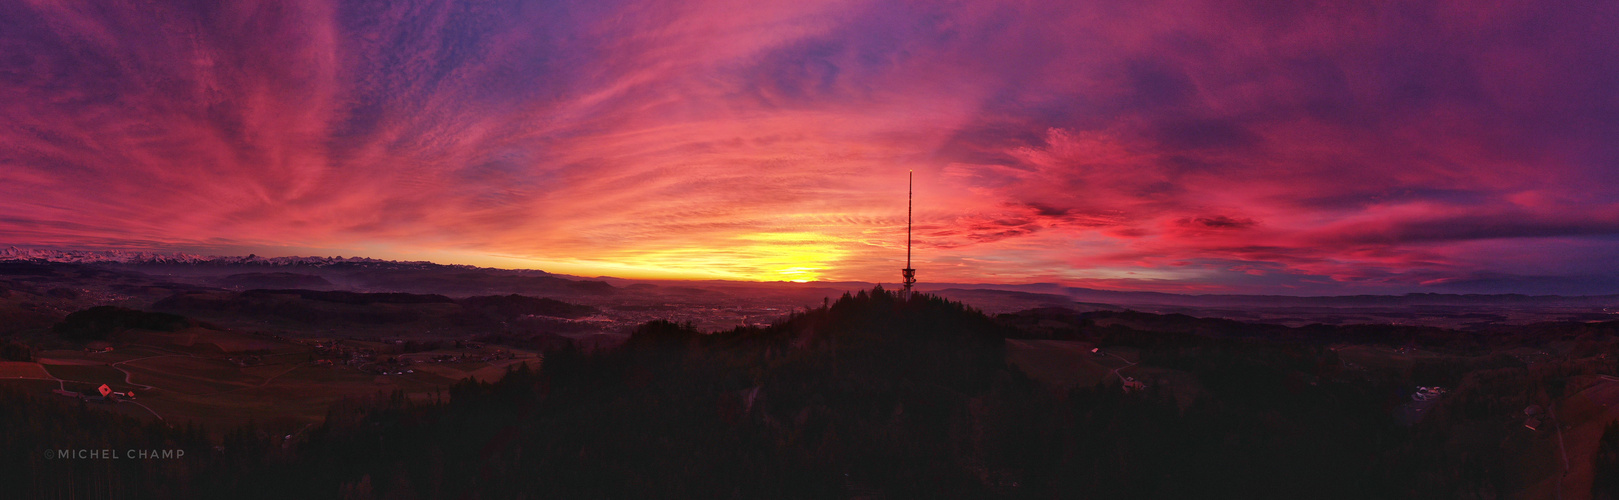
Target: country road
(1127, 362)
(127, 374)
(61, 384)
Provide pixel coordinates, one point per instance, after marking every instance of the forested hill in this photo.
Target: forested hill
(868, 393)
(868, 396)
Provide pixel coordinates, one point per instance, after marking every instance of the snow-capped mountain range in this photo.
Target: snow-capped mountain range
(134, 257)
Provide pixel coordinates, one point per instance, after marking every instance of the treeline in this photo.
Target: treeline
(15, 350)
(872, 395)
(1605, 485)
(1471, 444)
(97, 323)
(327, 308)
(36, 429)
(878, 395)
(1067, 324)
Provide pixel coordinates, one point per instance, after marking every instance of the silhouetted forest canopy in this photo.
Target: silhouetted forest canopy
(100, 321)
(873, 394)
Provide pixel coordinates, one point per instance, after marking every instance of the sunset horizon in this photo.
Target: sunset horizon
(625, 273)
(810, 249)
(1302, 150)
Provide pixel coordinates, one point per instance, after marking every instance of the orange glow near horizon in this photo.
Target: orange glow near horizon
(796, 257)
(1189, 145)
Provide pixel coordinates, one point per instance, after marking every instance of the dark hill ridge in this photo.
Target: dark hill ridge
(355, 298)
(453, 279)
(97, 323)
(1068, 324)
(473, 315)
(274, 280)
(752, 303)
(879, 396)
(1410, 299)
(473, 282)
(875, 395)
(514, 305)
(26, 268)
(306, 272)
(1260, 300)
(1470, 312)
(872, 392)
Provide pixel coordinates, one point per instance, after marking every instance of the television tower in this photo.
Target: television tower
(910, 274)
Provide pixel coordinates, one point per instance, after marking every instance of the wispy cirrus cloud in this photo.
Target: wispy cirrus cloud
(1301, 147)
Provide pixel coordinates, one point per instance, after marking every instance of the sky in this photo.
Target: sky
(1201, 146)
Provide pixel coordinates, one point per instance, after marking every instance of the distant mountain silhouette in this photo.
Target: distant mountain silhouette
(274, 280)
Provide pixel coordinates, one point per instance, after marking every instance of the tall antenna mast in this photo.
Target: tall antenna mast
(910, 274)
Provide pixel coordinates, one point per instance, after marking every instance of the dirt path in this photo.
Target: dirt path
(149, 409)
(127, 374)
(61, 384)
(1127, 362)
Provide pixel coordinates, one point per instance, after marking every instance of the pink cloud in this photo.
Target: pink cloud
(1205, 145)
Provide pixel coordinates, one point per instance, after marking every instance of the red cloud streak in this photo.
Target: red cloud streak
(1294, 147)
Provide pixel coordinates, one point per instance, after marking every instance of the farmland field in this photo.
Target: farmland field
(190, 367)
(1585, 415)
(31, 385)
(22, 369)
(194, 375)
(90, 374)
